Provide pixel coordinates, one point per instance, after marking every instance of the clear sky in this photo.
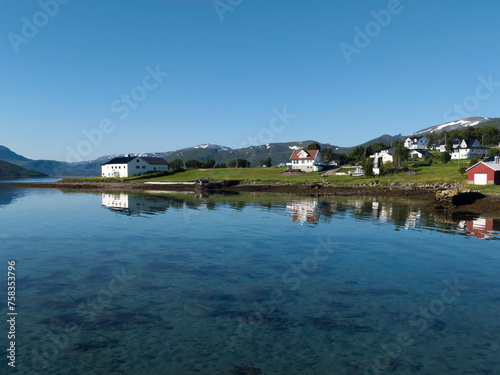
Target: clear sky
(239, 72)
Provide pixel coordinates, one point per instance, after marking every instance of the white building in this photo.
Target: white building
(130, 166)
(419, 154)
(306, 161)
(416, 143)
(469, 148)
(382, 157)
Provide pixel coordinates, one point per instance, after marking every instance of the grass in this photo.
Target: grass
(437, 172)
(420, 174)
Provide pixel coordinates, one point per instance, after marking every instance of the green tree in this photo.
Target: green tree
(176, 164)
(266, 162)
(344, 159)
(462, 170)
(313, 146)
(449, 145)
(210, 163)
(327, 154)
(494, 151)
(358, 153)
(194, 164)
(428, 159)
(239, 163)
(221, 165)
(445, 157)
(400, 157)
(368, 167)
(473, 162)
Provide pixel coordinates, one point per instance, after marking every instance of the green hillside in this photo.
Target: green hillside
(494, 122)
(11, 171)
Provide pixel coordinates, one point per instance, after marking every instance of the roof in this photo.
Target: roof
(120, 160)
(155, 161)
(312, 154)
(491, 164)
(423, 152)
(126, 159)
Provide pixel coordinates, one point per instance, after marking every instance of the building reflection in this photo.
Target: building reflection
(130, 204)
(483, 228)
(309, 211)
(304, 211)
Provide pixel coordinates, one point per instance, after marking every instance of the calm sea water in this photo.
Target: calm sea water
(114, 283)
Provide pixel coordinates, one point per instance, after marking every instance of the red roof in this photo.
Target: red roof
(312, 154)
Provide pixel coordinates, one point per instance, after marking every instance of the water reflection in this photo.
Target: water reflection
(310, 211)
(482, 228)
(305, 211)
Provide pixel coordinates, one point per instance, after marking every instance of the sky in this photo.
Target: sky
(83, 79)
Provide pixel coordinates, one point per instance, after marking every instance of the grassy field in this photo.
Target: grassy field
(419, 174)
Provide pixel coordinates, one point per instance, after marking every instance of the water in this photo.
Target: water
(114, 283)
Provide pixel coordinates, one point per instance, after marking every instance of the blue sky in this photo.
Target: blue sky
(232, 71)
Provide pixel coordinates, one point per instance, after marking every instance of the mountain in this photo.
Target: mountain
(10, 156)
(11, 171)
(279, 152)
(459, 124)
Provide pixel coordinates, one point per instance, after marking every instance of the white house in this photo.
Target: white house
(469, 148)
(419, 154)
(306, 160)
(382, 157)
(130, 166)
(441, 146)
(416, 143)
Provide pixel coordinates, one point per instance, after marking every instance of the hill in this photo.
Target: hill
(279, 152)
(453, 125)
(11, 171)
(10, 156)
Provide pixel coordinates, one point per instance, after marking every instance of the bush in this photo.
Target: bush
(445, 157)
(194, 164)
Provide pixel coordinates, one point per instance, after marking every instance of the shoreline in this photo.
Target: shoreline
(488, 204)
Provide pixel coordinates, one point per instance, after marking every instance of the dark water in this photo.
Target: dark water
(247, 284)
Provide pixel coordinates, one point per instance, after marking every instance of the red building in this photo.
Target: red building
(483, 228)
(484, 173)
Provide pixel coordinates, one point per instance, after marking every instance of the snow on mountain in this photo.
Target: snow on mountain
(217, 147)
(452, 125)
(141, 154)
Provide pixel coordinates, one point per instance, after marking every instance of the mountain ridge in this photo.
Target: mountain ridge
(279, 151)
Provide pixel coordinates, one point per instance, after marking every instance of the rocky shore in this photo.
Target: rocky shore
(434, 197)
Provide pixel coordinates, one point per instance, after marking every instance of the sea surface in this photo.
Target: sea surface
(171, 283)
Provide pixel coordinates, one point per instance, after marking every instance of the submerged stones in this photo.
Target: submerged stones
(245, 370)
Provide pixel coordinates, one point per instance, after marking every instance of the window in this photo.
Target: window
(143, 167)
(138, 160)
(137, 167)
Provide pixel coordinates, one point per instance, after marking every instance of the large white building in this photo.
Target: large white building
(130, 166)
(469, 148)
(306, 161)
